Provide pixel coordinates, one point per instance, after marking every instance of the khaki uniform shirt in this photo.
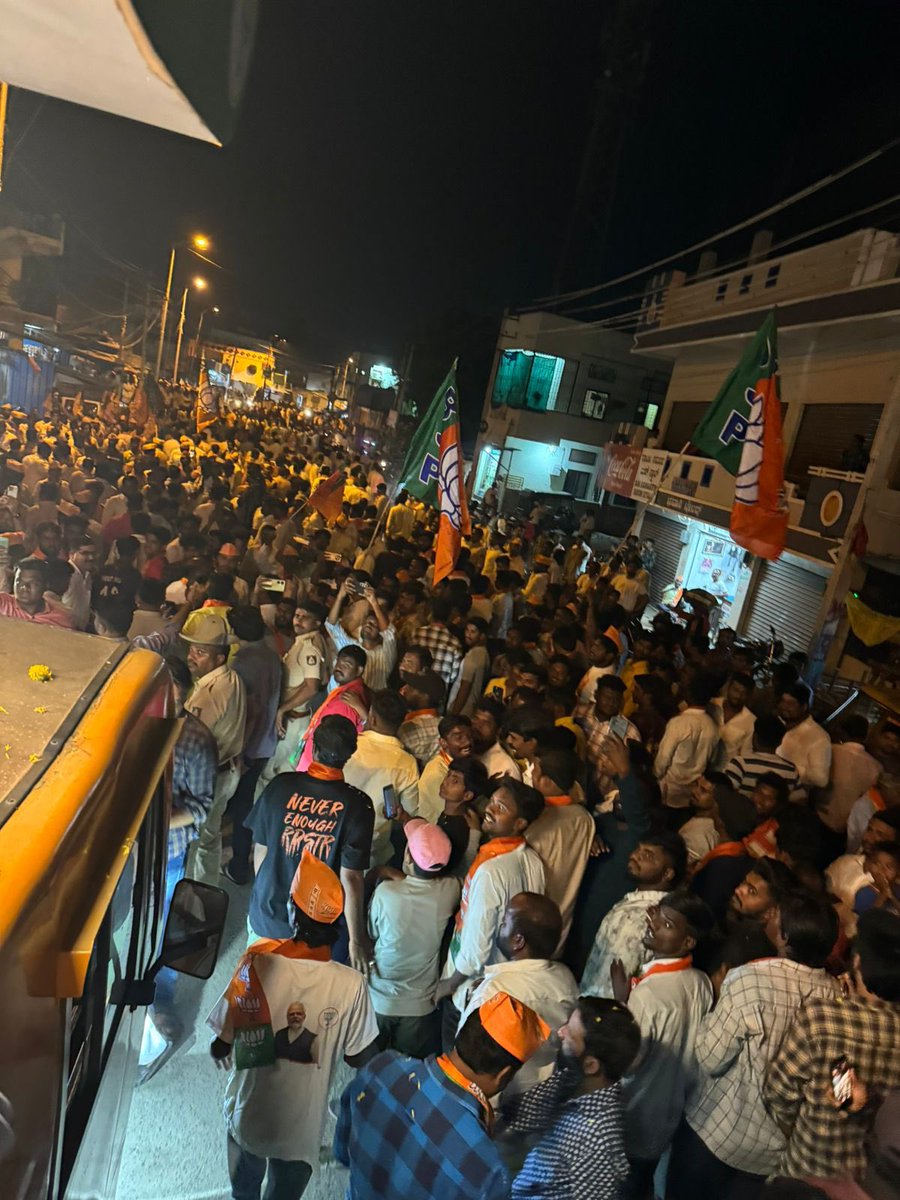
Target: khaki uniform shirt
(220, 702)
(306, 659)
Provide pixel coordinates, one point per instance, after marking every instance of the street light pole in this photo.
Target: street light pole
(184, 296)
(199, 242)
(164, 314)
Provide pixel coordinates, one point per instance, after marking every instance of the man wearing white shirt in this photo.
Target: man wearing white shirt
(734, 719)
(805, 744)
(455, 741)
(853, 772)
(380, 762)
(485, 734)
(504, 866)
(688, 745)
(529, 934)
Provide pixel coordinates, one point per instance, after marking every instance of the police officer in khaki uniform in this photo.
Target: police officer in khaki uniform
(305, 673)
(218, 700)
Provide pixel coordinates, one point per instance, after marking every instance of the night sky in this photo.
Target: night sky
(398, 166)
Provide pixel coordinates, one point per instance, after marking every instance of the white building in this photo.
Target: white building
(559, 390)
(838, 312)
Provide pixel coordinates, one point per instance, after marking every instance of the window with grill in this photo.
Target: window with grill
(595, 404)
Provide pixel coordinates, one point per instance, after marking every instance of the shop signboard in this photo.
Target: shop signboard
(649, 473)
(622, 463)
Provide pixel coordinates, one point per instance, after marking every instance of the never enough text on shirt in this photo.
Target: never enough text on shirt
(311, 823)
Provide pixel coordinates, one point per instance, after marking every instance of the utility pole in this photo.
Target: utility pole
(144, 332)
(622, 58)
(184, 296)
(4, 99)
(123, 331)
(164, 314)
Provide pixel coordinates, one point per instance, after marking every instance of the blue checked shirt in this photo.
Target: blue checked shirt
(408, 1132)
(195, 765)
(581, 1155)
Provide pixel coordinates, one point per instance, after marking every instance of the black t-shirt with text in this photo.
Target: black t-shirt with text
(330, 818)
(115, 592)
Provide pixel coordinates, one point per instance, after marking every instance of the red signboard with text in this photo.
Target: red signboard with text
(622, 464)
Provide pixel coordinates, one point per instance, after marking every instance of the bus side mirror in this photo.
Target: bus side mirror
(194, 928)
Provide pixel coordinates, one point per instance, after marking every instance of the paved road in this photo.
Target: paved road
(175, 1145)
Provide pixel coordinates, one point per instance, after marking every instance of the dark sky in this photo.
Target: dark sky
(397, 161)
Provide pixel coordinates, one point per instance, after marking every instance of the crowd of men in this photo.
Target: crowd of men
(596, 908)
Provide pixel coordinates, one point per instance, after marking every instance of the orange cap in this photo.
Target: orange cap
(513, 1025)
(614, 636)
(316, 890)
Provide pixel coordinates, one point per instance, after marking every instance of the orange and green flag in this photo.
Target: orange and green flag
(742, 430)
(433, 473)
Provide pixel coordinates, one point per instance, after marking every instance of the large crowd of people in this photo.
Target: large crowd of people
(585, 894)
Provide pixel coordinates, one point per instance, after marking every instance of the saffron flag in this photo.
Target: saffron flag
(207, 402)
(433, 473)
(742, 430)
(139, 408)
(328, 497)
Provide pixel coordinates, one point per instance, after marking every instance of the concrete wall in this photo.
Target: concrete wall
(856, 362)
(862, 257)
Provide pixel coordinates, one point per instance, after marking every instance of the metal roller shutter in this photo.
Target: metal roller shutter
(666, 536)
(788, 598)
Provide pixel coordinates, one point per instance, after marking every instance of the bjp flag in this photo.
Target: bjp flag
(742, 430)
(433, 473)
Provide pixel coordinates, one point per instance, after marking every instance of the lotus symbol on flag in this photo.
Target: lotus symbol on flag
(746, 487)
(448, 481)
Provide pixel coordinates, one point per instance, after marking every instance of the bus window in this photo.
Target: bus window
(104, 1035)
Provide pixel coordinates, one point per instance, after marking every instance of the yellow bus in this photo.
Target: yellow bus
(84, 807)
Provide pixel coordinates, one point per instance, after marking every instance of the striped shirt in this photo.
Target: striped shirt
(736, 1043)
(581, 1155)
(380, 659)
(746, 770)
(195, 759)
(822, 1140)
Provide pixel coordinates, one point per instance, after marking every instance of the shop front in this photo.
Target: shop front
(694, 551)
(698, 554)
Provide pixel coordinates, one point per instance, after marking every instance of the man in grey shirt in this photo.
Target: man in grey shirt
(408, 917)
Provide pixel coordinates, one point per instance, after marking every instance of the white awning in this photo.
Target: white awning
(123, 57)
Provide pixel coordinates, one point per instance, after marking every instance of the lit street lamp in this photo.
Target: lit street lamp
(200, 284)
(199, 242)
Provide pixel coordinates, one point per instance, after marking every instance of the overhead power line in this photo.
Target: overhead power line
(740, 260)
(763, 215)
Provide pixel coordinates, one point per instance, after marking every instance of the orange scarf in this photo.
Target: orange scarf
(248, 1008)
(321, 771)
(726, 850)
(420, 712)
(761, 842)
(453, 1072)
(680, 964)
(492, 849)
(557, 801)
(878, 801)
